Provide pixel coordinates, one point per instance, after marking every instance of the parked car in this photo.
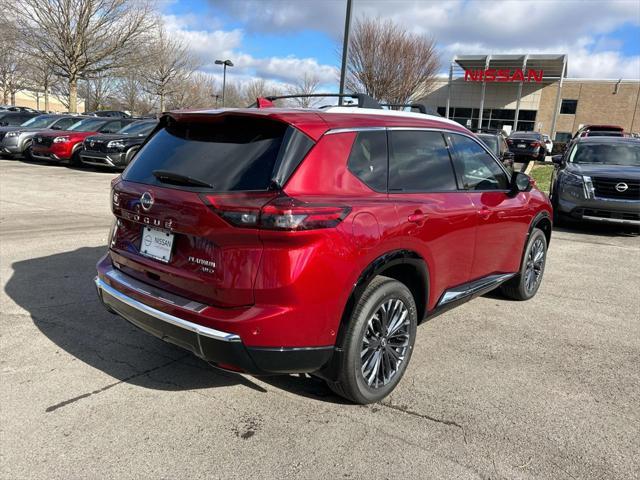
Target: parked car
(117, 149)
(10, 119)
(498, 146)
(65, 145)
(548, 143)
(598, 179)
(110, 114)
(17, 140)
(272, 240)
(527, 146)
(599, 130)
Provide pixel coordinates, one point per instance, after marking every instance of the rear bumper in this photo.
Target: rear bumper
(223, 349)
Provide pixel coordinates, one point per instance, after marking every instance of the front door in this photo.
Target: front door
(503, 219)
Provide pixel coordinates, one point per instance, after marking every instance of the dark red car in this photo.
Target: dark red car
(271, 240)
(65, 146)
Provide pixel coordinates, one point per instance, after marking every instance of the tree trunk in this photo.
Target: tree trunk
(161, 102)
(46, 99)
(5, 97)
(13, 99)
(73, 96)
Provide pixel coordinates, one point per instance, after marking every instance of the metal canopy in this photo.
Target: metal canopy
(553, 65)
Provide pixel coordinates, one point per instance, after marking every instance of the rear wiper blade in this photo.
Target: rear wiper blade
(173, 177)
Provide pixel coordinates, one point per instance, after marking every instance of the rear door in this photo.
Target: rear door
(503, 220)
(434, 216)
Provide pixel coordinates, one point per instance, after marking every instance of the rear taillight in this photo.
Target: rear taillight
(536, 144)
(276, 213)
(510, 142)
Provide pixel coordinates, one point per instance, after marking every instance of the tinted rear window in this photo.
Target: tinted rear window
(230, 153)
(368, 159)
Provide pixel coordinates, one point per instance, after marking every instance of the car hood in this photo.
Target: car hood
(64, 133)
(611, 171)
(10, 129)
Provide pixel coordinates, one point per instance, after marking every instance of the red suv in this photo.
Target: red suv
(270, 240)
(66, 145)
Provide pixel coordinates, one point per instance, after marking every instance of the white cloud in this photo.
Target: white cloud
(508, 26)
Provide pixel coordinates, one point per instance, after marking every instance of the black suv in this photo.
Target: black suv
(116, 149)
(598, 179)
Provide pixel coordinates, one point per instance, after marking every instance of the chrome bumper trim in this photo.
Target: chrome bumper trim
(101, 161)
(165, 317)
(611, 220)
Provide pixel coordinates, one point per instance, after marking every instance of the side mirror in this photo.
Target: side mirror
(557, 159)
(520, 182)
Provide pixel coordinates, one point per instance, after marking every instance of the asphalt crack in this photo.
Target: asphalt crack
(449, 423)
(111, 385)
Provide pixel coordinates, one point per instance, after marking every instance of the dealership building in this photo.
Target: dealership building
(531, 92)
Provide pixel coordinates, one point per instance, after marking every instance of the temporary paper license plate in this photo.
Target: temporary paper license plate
(156, 244)
(522, 145)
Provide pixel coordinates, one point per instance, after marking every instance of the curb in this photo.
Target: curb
(529, 167)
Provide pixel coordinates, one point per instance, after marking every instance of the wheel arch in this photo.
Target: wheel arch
(406, 266)
(542, 221)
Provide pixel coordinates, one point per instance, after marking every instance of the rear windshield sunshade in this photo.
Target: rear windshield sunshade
(231, 153)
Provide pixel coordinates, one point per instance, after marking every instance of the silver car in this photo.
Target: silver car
(16, 140)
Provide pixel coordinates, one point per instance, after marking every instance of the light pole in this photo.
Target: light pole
(345, 49)
(225, 64)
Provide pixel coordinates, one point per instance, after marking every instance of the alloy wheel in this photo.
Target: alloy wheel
(535, 265)
(385, 343)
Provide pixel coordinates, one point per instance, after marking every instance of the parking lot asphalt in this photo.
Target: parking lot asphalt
(496, 389)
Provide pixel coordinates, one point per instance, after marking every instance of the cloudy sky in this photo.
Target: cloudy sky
(280, 40)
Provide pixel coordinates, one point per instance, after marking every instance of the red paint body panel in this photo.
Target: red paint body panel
(289, 288)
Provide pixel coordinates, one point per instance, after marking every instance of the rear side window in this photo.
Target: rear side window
(419, 162)
(368, 159)
(229, 153)
(477, 169)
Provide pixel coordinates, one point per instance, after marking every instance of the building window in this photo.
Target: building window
(569, 107)
(562, 137)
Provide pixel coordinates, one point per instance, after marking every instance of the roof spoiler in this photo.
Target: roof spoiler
(364, 100)
(421, 107)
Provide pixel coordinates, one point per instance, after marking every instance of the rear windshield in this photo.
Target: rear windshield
(230, 153)
(490, 141)
(604, 133)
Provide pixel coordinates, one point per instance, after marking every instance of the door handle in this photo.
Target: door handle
(485, 213)
(417, 217)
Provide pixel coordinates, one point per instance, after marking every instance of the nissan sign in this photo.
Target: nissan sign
(493, 75)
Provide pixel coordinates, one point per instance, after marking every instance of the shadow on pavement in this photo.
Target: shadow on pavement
(59, 294)
(599, 229)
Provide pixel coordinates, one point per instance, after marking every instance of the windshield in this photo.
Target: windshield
(87, 125)
(490, 141)
(38, 122)
(607, 154)
(138, 128)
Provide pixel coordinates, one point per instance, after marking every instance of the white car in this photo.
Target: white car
(548, 143)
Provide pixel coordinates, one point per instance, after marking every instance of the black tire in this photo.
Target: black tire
(75, 161)
(26, 153)
(523, 286)
(395, 348)
(129, 156)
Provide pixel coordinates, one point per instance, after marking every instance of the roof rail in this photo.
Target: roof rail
(421, 107)
(364, 100)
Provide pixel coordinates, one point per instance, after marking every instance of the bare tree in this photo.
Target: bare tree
(98, 91)
(255, 89)
(307, 85)
(11, 61)
(198, 91)
(40, 77)
(82, 38)
(169, 64)
(389, 63)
